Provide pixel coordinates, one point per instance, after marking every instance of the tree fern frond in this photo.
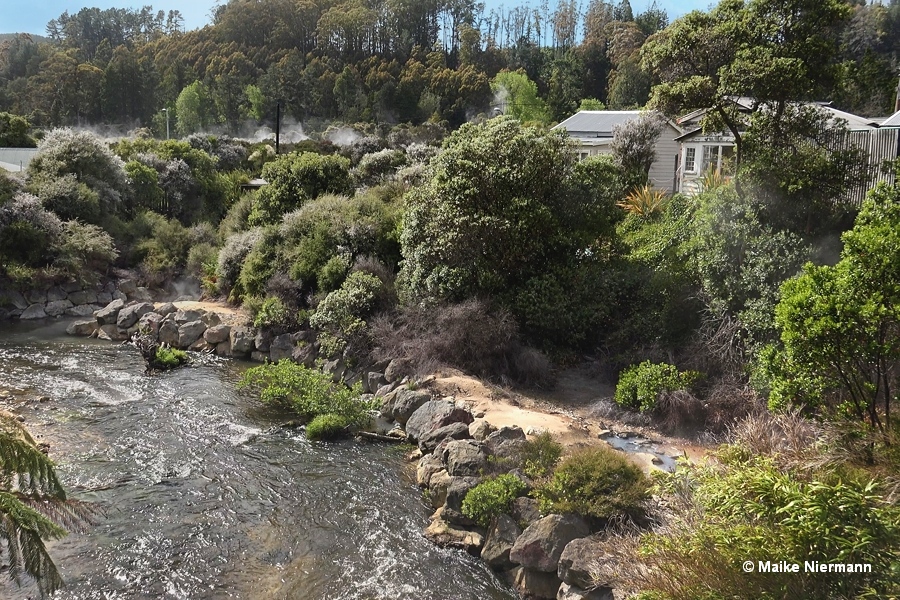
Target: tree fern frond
(23, 467)
(73, 515)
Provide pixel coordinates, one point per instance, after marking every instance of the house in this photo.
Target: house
(592, 132)
(16, 159)
(704, 152)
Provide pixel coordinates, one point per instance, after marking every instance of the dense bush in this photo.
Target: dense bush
(308, 392)
(326, 427)
(68, 198)
(27, 231)
(641, 386)
(599, 483)
(84, 249)
(166, 250)
(232, 255)
(341, 315)
(491, 498)
(540, 455)
(274, 315)
(379, 166)
(169, 358)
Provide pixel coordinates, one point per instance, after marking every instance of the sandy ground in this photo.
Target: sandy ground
(568, 412)
(231, 315)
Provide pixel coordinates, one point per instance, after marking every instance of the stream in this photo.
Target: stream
(206, 496)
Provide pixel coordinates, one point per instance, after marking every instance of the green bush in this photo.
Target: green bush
(540, 455)
(273, 314)
(83, 249)
(341, 315)
(169, 358)
(491, 498)
(27, 232)
(68, 198)
(232, 255)
(599, 483)
(326, 427)
(166, 250)
(640, 386)
(309, 392)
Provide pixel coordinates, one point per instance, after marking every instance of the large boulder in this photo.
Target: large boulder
(568, 591)
(83, 297)
(217, 333)
(55, 294)
(456, 493)
(534, 585)
(150, 323)
(506, 442)
(579, 558)
(283, 346)
(305, 354)
(443, 534)
(372, 381)
(263, 340)
(393, 371)
(57, 308)
(36, 296)
(465, 458)
(479, 429)
(128, 286)
(542, 543)
(438, 486)
(190, 333)
(109, 313)
(428, 466)
(82, 328)
(432, 415)
(187, 316)
(455, 431)
(401, 404)
(167, 309)
(500, 539)
(16, 300)
(168, 333)
(82, 310)
(132, 313)
(241, 340)
(211, 319)
(35, 311)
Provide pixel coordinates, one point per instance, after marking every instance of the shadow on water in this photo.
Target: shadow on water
(208, 498)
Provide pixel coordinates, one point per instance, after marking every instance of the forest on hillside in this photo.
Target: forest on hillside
(380, 61)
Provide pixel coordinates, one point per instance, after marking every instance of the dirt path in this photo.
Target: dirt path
(579, 412)
(230, 315)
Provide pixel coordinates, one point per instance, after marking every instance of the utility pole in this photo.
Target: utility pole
(166, 110)
(277, 128)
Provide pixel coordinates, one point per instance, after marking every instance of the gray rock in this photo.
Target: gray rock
(111, 333)
(224, 349)
(187, 316)
(241, 340)
(479, 429)
(83, 310)
(443, 534)
(168, 333)
(525, 511)
(142, 294)
(579, 559)
(217, 334)
(542, 543)
(506, 442)
(456, 493)
(534, 585)
(385, 389)
(117, 295)
(406, 402)
(260, 357)
(571, 592)
(304, 355)
(35, 311)
(432, 415)
(128, 286)
(428, 466)
(335, 368)
(372, 381)
(263, 341)
(150, 323)
(393, 372)
(167, 309)
(211, 319)
(438, 486)
(103, 298)
(82, 328)
(4, 314)
(83, 297)
(109, 313)
(465, 458)
(71, 286)
(455, 431)
(36, 297)
(283, 346)
(14, 298)
(132, 313)
(201, 346)
(57, 308)
(190, 333)
(499, 541)
(56, 293)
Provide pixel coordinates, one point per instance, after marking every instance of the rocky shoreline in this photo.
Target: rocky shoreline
(542, 556)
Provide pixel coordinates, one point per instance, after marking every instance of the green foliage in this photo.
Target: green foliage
(201, 260)
(644, 201)
(540, 455)
(640, 386)
(308, 392)
(519, 95)
(166, 250)
(327, 427)
(273, 314)
(341, 315)
(68, 198)
(491, 498)
(598, 483)
(83, 248)
(232, 256)
(27, 232)
(591, 104)
(295, 179)
(634, 146)
(190, 108)
(744, 508)
(169, 358)
(839, 324)
(508, 214)
(14, 132)
(144, 183)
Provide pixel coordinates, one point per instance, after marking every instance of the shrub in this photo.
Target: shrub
(165, 252)
(169, 358)
(201, 260)
(644, 201)
(84, 247)
(232, 255)
(599, 483)
(341, 315)
(491, 498)
(378, 166)
(237, 219)
(640, 386)
(309, 392)
(326, 427)
(68, 198)
(27, 231)
(540, 455)
(272, 314)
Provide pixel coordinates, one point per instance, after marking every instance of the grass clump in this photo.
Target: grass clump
(598, 483)
(326, 427)
(170, 358)
(640, 386)
(541, 455)
(491, 498)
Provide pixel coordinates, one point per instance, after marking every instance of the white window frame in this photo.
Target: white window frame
(690, 159)
(707, 148)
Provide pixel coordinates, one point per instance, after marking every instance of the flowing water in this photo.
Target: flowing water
(207, 497)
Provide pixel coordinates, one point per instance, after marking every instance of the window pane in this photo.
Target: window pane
(690, 160)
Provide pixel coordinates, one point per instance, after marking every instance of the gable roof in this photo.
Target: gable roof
(599, 123)
(892, 121)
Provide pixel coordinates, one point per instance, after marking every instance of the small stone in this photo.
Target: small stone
(605, 433)
(442, 534)
(44, 399)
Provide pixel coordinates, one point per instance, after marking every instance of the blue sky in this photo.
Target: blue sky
(32, 17)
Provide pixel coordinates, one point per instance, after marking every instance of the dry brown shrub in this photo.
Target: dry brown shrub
(466, 336)
(728, 401)
(679, 412)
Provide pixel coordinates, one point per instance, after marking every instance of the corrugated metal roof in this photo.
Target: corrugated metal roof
(596, 123)
(892, 121)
